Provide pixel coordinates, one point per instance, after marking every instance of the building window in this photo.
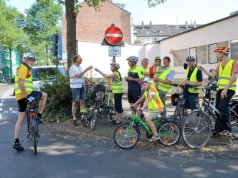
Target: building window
(192, 52)
(180, 57)
(201, 54)
(234, 49)
(212, 59)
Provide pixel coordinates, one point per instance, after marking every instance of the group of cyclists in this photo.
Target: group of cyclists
(147, 88)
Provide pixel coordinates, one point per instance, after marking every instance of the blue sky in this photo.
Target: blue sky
(171, 12)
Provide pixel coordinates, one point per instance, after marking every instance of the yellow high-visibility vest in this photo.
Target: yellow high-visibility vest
(163, 86)
(27, 83)
(193, 78)
(225, 76)
(117, 84)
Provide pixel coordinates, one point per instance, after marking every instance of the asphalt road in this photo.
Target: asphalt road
(62, 158)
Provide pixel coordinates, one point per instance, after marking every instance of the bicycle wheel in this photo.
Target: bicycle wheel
(169, 133)
(35, 142)
(126, 136)
(196, 130)
(93, 121)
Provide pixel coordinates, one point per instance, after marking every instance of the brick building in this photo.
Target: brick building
(91, 24)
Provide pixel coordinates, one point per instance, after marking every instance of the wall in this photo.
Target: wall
(91, 25)
(97, 55)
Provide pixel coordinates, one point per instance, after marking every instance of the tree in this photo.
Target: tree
(10, 33)
(153, 3)
(40, 24)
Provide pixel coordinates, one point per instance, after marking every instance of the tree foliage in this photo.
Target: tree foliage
(153, 3)
(11, 36)
(42, 20)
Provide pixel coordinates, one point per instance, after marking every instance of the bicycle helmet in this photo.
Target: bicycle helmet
(190, 58)
(115, 65)
(133, 59)
(157, 58)
(144, 80)
(222, 49)
(30, 56)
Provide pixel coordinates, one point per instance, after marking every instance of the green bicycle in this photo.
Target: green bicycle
(127, 135)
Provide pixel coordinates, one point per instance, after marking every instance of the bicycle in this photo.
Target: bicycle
(100, 108)
(178, 101)
(127, 135)
(32, 124)
(197, 127)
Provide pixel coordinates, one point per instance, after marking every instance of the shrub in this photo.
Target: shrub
(58, 106)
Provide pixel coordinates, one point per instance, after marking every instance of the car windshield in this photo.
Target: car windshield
(45, 73)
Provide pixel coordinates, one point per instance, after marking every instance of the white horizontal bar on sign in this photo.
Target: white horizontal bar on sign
(113, 35)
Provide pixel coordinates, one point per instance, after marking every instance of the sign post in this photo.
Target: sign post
(114, 36)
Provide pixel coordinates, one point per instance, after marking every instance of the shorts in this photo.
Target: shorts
(22, 103)
(191, 101)
(78, 94)
(118, 102)
(133, 95)
(154, 114)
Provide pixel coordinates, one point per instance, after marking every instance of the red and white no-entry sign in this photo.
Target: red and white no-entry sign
(113, 35)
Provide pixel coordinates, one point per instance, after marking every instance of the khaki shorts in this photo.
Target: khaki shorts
(154, 114)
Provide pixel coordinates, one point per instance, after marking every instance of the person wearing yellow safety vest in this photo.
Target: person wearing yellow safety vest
(193, 79)
(117, 89)
(163, 82)
(225, 72)
(154, 103)
(24, 94)
(145, 67)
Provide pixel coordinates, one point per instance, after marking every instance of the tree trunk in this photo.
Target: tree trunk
(71, 30)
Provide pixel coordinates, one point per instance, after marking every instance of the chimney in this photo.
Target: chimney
(142, 24)
(195, 25)
(186, 25)
(150, 24)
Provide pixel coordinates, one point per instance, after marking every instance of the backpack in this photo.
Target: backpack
(98, 93)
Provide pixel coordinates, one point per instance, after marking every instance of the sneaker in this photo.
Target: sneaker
(75, 123)
(17, 146)
(153, 139)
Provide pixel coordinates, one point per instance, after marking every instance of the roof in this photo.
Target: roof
(162, 30)
(202, 26)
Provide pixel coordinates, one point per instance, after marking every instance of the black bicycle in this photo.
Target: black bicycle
(177, 99)
(32, 123)
(197, 127)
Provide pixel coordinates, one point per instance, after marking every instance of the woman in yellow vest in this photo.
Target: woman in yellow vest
(154, 103)
(193, 79)
(24, 93)
(226, 74)
(117, 89)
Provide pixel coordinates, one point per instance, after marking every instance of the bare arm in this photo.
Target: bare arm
(105, 75)
(139, 100)
(210, 74)
(83, 72)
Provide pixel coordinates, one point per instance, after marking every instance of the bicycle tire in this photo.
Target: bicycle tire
(196, 130)
(93, 121)
(34, 143)
(120, 136)
(169, 133)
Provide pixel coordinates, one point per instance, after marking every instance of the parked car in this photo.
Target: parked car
(45, 74)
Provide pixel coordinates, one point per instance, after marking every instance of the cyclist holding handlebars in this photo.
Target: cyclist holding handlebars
(154, 103)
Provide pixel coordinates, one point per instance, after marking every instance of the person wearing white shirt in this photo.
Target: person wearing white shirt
(77, 85)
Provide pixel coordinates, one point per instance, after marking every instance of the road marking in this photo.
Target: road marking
(0, 109)
(2, 101)
(0, 115)
(1, 104)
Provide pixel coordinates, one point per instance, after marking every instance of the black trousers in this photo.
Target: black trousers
(223, 123)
